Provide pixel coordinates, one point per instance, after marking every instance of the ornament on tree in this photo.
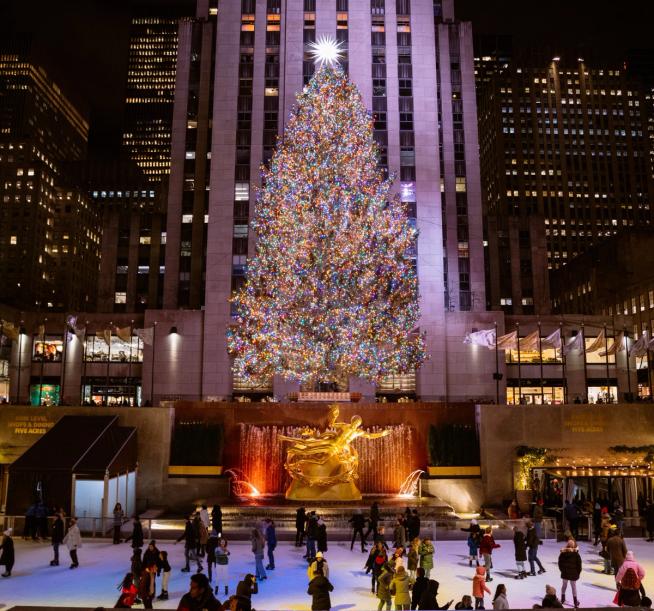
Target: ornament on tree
(331, 291)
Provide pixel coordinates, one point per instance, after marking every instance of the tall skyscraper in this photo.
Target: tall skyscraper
(565, 163)
(49, 232)
(150, 93)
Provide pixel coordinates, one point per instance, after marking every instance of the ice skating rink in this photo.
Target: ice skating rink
(102, 566)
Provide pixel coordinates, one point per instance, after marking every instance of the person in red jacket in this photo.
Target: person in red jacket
(486, 548)
(479, 587)
(128, 592)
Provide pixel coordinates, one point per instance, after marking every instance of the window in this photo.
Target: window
(13, 240)
(120, 297)
(49, 350)
(97, 349)
(594, 357)
(241, 191)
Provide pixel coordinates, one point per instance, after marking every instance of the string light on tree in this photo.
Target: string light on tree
(331, 291)
(326, 51)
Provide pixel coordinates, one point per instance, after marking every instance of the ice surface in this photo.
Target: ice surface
(102, 566)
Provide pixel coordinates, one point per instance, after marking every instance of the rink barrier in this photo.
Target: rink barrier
(240, 525)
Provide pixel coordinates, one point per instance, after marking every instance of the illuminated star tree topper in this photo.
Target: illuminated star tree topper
(326, 51)
(331, 291)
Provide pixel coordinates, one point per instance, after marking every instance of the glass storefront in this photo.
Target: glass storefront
(97, 350)
(49, 350)
(602, 394)
(534, 395)
(45, 394)
(551, 356)
(112, 392)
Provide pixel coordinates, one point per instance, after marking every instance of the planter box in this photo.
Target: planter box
(454, 471)
(194, 471)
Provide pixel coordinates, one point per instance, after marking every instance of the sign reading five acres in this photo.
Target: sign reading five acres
(30, 425)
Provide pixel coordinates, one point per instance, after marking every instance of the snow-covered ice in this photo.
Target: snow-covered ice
(102, 566)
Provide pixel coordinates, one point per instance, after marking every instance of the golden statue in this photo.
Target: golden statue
(324, 465)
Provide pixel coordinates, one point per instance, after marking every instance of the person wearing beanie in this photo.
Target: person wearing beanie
(319, 563)
(7, 557)
(570, 567)
(630, 563)
(550, 601)
(479, 587)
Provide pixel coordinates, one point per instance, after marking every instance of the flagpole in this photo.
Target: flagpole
(606, 353)
(519, 365)
(62, 380)
(583, 344)
(497, 369)
(540, 353)
(106, 383)
(565, 380)
(626, 348)
(45, 320)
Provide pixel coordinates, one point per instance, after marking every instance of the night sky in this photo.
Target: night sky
(83, 43)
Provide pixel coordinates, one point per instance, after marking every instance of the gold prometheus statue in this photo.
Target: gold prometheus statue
(324, 465)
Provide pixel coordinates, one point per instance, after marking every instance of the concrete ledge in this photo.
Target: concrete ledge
(454, 471)
(194, 471)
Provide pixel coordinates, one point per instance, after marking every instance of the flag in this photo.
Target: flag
(485, 338)
(124, 333)
(106, 336)
(80, 333)
(508, 341)
(147, 335)
(598, 344)
(640, 346)
(553, 340)
(10, 330)
(530, 342)
(576, 343)
(616, 346)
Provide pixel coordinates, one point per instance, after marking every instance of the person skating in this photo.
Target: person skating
(474, 538)
(426, 553)
(486, 548)
(570, 567)
(649, 521)
(204, 517)
(373, 521)
(520, 548)
(533, 541)
(151, 554)
(212, 545)
(397, 559)
(320, 563)
(258, 545)
(164, 569)
(119, 516)
(300, 518)
(245, 589)
(384, 587)
(428, 598)
(58, 529)
(630, 563)
(376, 560)
(401, 589)
(217, 519)
(413, 525)
(128, 593)
(500, 600)
(312, 536)
(597, 522)
(147, 584)
(199, 597)
(222, 566)
(319, 589)
(358, 521)
(571, 514)
(479, 587)
(137, 534)
(190, 545)
(73, 541)
(271, 543)
(419, 587)
(399, 533)
(203, 535)
(616, 549)
(8, 556)
(413, 558)
(538, 514)
(321, 541)
(136, 566)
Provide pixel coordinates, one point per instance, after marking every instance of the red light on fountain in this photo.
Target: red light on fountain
(241, 486)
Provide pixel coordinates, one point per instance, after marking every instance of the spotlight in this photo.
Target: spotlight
(556, 58)
(173, 330)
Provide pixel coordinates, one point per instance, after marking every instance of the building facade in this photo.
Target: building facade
(565, 163)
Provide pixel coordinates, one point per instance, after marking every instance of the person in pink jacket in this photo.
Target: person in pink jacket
(630, 563)
(479, 587)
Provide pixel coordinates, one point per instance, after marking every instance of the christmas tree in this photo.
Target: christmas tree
(331, 291)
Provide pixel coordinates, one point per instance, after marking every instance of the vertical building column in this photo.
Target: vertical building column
(290, 57)
(216, 374)
(326, 18)
(133, 260)
(177, 157)
(473, 179)
(359, 58)
(431, 376)
(392, 92)
(107, 276)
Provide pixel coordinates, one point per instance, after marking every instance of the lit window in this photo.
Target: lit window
(144, 239)
(163, 237)
(187, 218)
(121, 297)
(241, 191)
(13, 239)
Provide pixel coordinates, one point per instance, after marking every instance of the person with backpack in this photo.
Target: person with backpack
(570, 567)
(628, 594)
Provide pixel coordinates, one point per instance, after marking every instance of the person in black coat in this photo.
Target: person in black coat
(300, 518)
(570, 567)
(428, 598)
(245, 589)
(358, 521)
(7, 557)
(322, 536)
(151, 554)
(373, 521)
(217, 519)
(319, 589)
(419, 587)
(413, 525)
(649, 521)
(190, 544)
(533, 541)
(137, 534)
(520, 547)
(58, 530)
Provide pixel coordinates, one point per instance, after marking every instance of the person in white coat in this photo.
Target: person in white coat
(73, 541)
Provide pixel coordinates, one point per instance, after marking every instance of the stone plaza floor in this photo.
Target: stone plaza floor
(103, 565)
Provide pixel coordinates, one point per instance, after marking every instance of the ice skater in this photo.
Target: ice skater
(73, 541)
(8, 556)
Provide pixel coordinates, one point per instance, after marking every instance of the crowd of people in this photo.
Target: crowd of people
(399, 564)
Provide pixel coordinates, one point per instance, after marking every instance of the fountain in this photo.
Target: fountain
(383, 462)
